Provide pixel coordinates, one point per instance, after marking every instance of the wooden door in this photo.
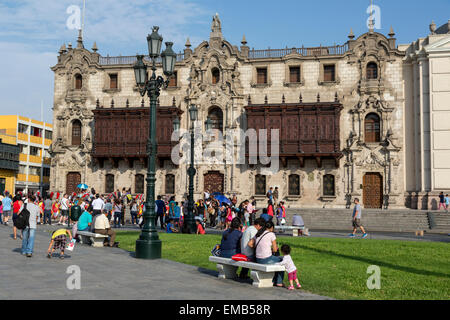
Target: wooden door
(213, 182)
(373, 191)
(73, 179)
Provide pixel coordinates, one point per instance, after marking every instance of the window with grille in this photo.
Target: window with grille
(170, 184)
(78, 81)
(215, 75)
(173, 82)
(294, 74)
(372, 128)
(46, 172)
(329, 73)
(34, 151)
(328, 185)
(216, 117)
(372, 71)
(261, 74)
(109, 183)
(113, 81)
(37, 132)
(260, 184)
(48, 135)
(23, 128)
(76, 133)
(294, 185)
(139, 184)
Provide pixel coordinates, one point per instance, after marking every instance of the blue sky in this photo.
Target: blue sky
(31, 32)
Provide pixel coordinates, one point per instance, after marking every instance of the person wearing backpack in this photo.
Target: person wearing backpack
(28, 226)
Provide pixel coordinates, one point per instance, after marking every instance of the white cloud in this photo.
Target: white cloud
(32, 32)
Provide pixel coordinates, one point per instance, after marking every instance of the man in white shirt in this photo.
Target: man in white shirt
(102, 226)
(97, 205)
(64, 209)
(28, 233)
(249, 234)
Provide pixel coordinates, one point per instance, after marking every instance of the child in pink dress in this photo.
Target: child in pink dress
(290, 267)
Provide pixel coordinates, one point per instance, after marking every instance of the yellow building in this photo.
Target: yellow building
(34, 139)
(9, 162)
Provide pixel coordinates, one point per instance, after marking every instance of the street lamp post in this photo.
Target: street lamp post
(148, 246)
(189, 223)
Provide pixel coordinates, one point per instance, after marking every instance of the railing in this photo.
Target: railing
(306, 52)
(121, 60)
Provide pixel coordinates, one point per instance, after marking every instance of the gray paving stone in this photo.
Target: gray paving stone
(114, 274)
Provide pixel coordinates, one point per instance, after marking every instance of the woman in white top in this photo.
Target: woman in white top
(265, 244)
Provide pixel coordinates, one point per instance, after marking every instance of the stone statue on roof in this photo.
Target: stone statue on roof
(216, 24)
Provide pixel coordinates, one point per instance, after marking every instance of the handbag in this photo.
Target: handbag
(240, 257)
(216, 250)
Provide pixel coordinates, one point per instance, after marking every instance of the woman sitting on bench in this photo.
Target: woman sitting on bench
(265, 244)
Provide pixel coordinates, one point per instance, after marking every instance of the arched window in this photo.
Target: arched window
(216, 117)
(294, 185)
(170, 184)
(109, 183)
(139, 184)
(76, 133)
(78, 81)
(328, 185)
(372, 128)
(260, 184)
(372, 71)
(215, 75)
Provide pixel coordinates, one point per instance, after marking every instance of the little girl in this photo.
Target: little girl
(290, 267)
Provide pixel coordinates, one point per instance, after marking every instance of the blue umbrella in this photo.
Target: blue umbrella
(222, 198)
(82, 186)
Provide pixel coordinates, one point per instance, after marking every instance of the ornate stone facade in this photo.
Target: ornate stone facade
(364, 76)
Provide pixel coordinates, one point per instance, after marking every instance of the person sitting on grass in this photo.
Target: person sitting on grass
(200, 229)
(171, 227)
(290, 267)
(58, 241)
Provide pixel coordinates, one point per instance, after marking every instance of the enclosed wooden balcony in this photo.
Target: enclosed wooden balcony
(122, 134)
(307, 130)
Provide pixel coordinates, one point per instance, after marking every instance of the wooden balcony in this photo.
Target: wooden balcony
(122, 133)
(306, 130)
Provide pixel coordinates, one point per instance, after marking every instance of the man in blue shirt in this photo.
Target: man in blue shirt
(85, 221)
(357, 220)
(265, 215)
(160, 211)
(6, 208)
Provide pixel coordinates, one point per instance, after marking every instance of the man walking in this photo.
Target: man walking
(29, 232)
(7, 202)
(48, 210)
(357, 220)
(160, 212)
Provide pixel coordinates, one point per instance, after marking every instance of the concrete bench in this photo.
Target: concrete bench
(294, 229)
(95, 239)
(261, 274)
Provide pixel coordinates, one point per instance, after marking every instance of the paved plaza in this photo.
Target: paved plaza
(112, 273)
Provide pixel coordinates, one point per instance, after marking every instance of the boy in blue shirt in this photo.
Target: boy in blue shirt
(170, 227)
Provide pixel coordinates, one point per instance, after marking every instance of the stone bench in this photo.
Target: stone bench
(95, 239)
(294, 229)
(261, 274)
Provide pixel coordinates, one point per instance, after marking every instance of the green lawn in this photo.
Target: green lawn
(338, 267)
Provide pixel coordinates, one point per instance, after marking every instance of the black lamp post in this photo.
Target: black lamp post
(189, 223)
(148, 246)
